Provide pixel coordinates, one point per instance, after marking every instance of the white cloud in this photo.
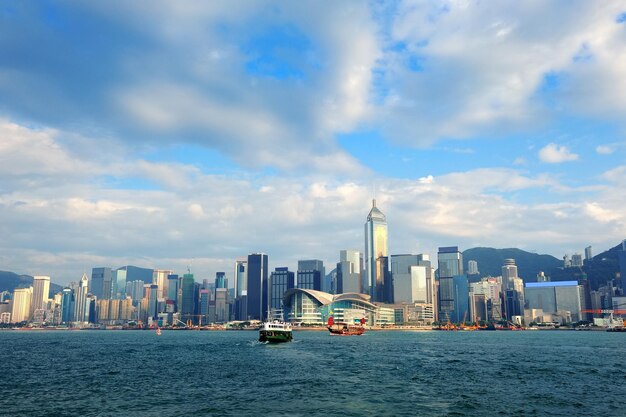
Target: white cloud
(605, 149)
(555, 154)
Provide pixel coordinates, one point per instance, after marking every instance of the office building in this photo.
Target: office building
(310, 274)
(187, 299)
(118, 284)
(101, 282)
(564, 299)
(205, 301)
(410, 280)
(349, 272)
(21, 307)
(159, 278)
(257, 291)
(41, 290)
(220, 280)
(67, 306)
(281, 280)
(81, 309)
(450, 265)
(375, 248)
(222, 305)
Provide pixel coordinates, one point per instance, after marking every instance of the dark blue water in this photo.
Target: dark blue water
(136, 373)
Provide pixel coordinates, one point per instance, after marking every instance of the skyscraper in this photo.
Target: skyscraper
(101, 284)
(281, 280)
(22, 299)
(450, 262)
(588, 254)
(472, 267)
(187, 304)
(67, 306)
(159, 277)
(375, 248)
(41, 289)
(310, 274)
(81, 311)
(257, 291)
(220, 280)
(349, 272)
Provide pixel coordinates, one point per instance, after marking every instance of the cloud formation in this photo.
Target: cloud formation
(555, 154)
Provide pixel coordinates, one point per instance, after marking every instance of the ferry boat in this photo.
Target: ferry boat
(275, 332)
(345, 329)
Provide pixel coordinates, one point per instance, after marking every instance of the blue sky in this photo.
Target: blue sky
(163, 134)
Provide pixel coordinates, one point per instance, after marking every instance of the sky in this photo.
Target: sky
(188, 134)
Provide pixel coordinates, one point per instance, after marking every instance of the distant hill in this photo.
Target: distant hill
(599, 270)
(9, 281)
(529, 264)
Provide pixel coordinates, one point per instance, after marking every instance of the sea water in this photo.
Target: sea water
(381, 373)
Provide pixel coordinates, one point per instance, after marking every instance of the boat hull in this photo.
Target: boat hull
(345, 330)
(275, 336)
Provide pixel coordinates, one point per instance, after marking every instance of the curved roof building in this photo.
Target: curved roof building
(312, 307)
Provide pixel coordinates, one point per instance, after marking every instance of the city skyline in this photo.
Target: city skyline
(199, 133)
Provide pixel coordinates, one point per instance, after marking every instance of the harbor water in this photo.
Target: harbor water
(381, 373)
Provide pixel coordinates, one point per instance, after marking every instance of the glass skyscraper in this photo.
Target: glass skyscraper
(450, 265)
(257, 291)
(281, 280)
(375, 248)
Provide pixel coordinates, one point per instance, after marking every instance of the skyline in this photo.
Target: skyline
(191, 133)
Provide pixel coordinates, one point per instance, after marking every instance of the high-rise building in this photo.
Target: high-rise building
(187, 304)
(257, 291)
(67, 306)
(577, 260)
(349, 272)
(220, 280)
(310, 274)
(101, 282)
(281, 280)
(472, 267)
(172, 287)
(241, 281)
(153, 301)
(410, 280)
(460, 287)
(81, 310)
(375, 248)
(221, 305)
(450, 265)
(159, 278)
(22, 299)
(118, 284)
(588, 254)
(512, 290)
(564, 298)
(41, 290)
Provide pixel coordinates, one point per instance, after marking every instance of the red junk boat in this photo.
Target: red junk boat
(345, 329)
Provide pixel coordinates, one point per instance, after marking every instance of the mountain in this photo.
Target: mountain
(529, 264)
(9, 281)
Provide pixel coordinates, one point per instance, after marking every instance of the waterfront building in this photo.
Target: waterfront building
(81, 311)
(21, 307)
(374, 282)
(127, 310)
(257, 291)
(409, 279)
(281, 280)
(67, 306)
(450, 264)
(240, 305)
(310, 307)
(41, 290)
(101, 282)
(311, 274)
(349, 272)
(556, 298)
(488, 291)
(153, 301)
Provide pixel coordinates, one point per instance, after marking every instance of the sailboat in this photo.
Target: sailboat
(158, 331)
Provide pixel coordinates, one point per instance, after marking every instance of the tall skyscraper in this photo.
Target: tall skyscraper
(159, 278)
(172, 287)
(187, 304)
(512, 289)
(118, 284)
(101, 282)
(240, 275)
(375, 248)
(220, 280)
(310, 274)
(450, 262)
(81, 311)
(41, 290)
(472, 267)
(67, 306)
(349, 272)
(22, 299)
(281, 280)
(588, 254)
(257, 291)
